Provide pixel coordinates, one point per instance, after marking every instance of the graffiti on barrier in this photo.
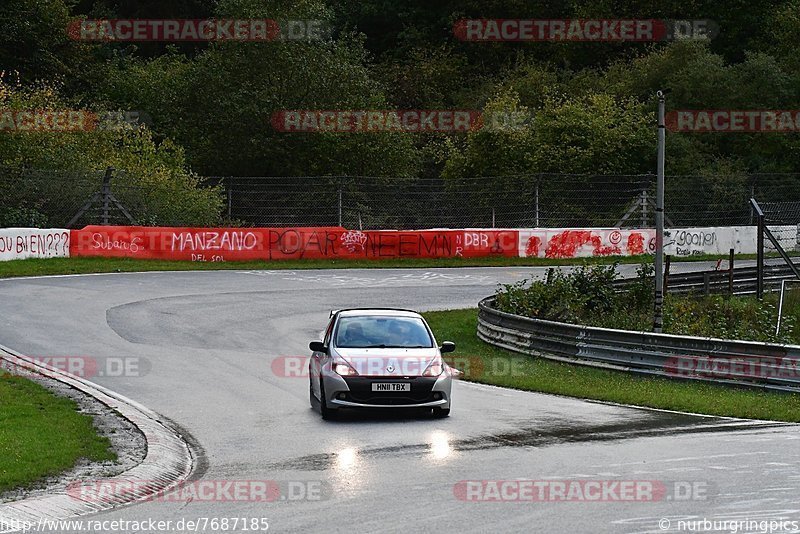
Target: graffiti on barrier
(22, 243)
(577, 243)
(208, 244)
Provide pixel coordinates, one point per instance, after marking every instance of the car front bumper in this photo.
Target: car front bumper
(356, 392)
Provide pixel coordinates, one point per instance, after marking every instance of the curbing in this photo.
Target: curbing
(169, 460)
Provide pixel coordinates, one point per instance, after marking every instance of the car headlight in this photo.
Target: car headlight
(435, 368)
(344, 370)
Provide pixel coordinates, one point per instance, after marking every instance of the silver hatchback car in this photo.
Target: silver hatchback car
(379, 358)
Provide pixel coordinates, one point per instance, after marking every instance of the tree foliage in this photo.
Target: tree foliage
(589, 107)
(153, 179)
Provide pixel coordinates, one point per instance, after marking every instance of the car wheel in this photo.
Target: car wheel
(441, 412)
(324, 411)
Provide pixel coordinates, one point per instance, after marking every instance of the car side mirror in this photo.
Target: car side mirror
(318, 346)
(447, 346)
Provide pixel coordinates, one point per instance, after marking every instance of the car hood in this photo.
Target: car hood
(389, 362)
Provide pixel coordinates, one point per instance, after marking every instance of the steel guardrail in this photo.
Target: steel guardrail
(717, 281)
(746, 363)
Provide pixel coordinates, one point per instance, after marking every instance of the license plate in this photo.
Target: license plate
(391, 386)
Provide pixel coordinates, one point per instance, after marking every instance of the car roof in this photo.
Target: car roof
(391, 312)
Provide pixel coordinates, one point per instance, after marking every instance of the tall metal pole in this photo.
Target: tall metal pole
(658, 315)
(760, 254)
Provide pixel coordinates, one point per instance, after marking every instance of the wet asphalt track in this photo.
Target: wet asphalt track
(208, 340)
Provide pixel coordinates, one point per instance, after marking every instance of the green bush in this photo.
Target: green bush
(22, 218)
(727, 318)
(587, 296)
(563, 296)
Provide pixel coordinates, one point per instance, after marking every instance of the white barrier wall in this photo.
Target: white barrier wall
(788, 236)
(711, 240)
(22, 243)
(584, 242)
(719, 240)
(680, 242)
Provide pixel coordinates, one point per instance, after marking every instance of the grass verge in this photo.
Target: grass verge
(484, 363)
(42, 434)
(53, 266)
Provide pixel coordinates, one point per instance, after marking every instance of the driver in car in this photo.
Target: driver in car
(354, 336)
(397, 335)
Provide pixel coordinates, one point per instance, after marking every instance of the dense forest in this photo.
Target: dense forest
(590, 107)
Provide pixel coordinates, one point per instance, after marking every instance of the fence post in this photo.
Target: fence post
(493, 221)
(644, 209)
(536, 205)
(340, 204)
(730, 272)
(760, 221)
(106, 193)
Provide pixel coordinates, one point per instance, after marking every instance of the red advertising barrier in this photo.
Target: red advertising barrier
(240, 244)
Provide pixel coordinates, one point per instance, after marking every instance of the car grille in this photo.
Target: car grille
(361, 391)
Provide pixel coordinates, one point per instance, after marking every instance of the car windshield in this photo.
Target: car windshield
(382, 332)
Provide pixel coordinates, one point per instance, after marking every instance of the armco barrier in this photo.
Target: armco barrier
(719, 281)
(23, 243)
(238, 244)
(748, 363)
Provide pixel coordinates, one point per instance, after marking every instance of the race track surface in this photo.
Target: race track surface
(206, 342)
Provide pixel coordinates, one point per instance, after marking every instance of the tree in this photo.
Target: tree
(219, 105)
(34, 44)
(152, 181)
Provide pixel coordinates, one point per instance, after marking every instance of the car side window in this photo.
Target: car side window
(328, 332)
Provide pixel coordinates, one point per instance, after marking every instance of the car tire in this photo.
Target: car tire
(441, 412)
(324, 411)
